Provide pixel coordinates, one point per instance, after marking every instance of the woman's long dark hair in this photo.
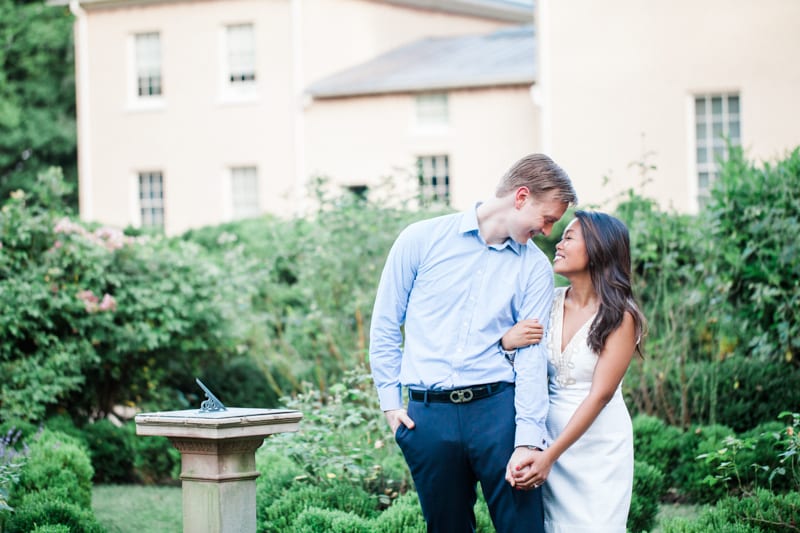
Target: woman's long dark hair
(609, 251)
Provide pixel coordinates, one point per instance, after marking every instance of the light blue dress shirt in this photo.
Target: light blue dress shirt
(455, 297)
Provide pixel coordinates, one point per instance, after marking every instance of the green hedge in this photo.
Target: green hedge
(648, 487)
(761, 512)
(54, 487)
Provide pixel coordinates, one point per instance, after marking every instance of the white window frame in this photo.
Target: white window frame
(431, 112)
(232, 88)
(243, 192)
(433, 175)
(715, 117)
(150, 208)
(135, 100)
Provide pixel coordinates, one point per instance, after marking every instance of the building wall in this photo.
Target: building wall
(360, 141)
(619, 80)
(343, 33)
(197, 135)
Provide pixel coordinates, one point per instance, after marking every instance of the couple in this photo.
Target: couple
(454, 322)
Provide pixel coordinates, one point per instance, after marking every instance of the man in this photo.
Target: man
(456, 283)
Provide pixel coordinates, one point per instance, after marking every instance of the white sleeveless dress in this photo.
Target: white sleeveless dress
(589, 487)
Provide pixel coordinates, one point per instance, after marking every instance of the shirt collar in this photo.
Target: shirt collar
(469, 224)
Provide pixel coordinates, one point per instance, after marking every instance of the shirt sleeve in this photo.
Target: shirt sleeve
(388, 316)
(530, 398)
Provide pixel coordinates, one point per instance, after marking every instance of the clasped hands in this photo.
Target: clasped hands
(527, 468)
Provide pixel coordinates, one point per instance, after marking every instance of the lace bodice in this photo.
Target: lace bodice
(575, 365)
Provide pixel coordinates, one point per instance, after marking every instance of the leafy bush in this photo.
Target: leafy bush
(313, 298)
(404, 515)
(760, 513)
(94, 318)
(754, 220)
(695, 476)
(56, 528)
(155, 459)
(240, 383)
(278, 473)
(112, 452)
(314, 520)
(754, 390)
(761, 459)
(648, 486)
(50, 508)
(722, 299)
(12, 459)
(57, 464)
(343, 436)
(281, 514)
(656, 443)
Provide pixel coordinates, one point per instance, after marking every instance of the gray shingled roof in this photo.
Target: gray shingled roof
(506, 57)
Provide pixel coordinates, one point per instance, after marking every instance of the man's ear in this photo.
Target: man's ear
(522, 194)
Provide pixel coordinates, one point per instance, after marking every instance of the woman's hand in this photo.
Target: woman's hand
(528, 469)
(523, 333)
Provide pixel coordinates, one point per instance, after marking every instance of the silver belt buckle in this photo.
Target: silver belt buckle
(461, 396)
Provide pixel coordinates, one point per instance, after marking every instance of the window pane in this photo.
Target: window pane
(432, 109)
(148, 64)
(151, 199)
(733, 131)
(241, 53)
(700, 107)
(724, 126)
(701, 131)
(244, 192)
(434, 179)
(716, 105)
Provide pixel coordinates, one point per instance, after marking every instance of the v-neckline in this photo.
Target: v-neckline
(588, 321)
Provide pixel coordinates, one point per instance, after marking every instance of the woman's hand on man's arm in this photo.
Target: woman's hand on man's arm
(523, 333)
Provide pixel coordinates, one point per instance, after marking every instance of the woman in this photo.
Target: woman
(595, 328)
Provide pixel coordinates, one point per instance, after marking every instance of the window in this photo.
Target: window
(434, 179)
(717, 121)
(359, 191)
(244, 192)
(241, 49)
(432, 110)
(147, 50)
(151, 199)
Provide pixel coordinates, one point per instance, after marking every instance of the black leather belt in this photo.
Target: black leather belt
(464, 395)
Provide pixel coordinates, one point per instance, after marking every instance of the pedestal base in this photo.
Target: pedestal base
(218, 462)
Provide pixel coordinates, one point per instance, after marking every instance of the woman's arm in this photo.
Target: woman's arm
(523, 333)
(611, 367)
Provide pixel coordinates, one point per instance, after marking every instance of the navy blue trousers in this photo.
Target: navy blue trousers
(454, 446)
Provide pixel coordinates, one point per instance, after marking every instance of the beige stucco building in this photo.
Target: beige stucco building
(196, 112)
(630, 81)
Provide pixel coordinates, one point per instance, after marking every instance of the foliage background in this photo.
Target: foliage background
(37, 95)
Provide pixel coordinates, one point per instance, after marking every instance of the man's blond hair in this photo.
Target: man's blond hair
(539, 174)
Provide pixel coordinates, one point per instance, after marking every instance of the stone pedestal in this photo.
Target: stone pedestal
(218, 462)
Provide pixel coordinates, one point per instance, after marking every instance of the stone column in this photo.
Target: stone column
(218, 463)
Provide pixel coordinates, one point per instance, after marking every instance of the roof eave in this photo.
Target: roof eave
(512, 81)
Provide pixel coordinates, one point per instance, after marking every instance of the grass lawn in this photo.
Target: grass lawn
(674, 510)
(138, 508)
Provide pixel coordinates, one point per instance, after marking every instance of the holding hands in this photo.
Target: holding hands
(528, 468)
